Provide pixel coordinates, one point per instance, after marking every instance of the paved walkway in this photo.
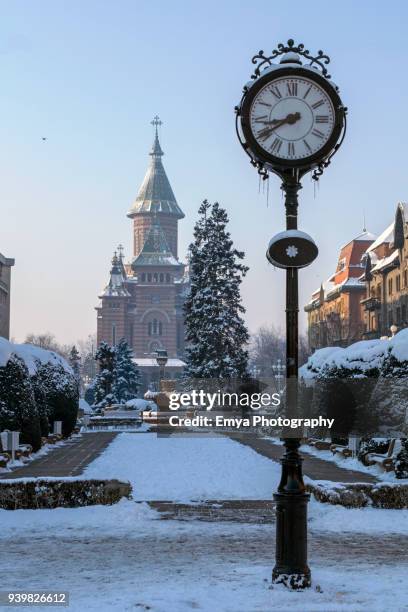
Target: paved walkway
(68, 460)
(314, 467)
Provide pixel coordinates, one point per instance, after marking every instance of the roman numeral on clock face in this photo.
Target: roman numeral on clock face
(276, 92)
(317, 133)
(260, 119)
(317, 104)
(292, 89)
(308, 147)
(291, 148)
(276, 145)
(322, 119)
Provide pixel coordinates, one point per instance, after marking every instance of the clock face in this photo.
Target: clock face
(292, 118)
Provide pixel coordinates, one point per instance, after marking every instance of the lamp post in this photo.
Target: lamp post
(278, 370)
(291, 121)
(161, 360)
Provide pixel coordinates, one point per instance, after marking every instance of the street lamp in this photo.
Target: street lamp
(393, 330)
(279, 369)
(291, 121)
(161, 360)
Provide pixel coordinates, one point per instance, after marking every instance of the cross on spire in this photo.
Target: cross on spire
(156, 122)
(156, 150)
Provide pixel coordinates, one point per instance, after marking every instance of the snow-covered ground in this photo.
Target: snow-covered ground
(124, 557)
(181, 468)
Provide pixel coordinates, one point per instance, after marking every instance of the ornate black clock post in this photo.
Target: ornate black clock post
(291, 121)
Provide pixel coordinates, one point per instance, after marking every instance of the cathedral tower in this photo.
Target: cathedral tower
(143, 300)
(155, 198)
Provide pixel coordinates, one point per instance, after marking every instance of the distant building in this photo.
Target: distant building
(335, 313)
(5, 283)
(143, 300)
(386, 278)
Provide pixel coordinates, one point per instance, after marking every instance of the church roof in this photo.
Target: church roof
(155, 194)
(155, 251)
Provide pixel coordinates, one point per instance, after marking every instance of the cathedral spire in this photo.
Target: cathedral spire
(156, 148)
(155, 194)
(116, 286)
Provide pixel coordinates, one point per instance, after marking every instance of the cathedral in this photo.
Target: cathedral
(143, 300)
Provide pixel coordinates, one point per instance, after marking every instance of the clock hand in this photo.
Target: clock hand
(290, 119)
(267, 131)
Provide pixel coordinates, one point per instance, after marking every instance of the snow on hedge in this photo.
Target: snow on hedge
(31, 355)
(363, 356)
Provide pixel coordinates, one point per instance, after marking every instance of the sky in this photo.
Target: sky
(90, 75)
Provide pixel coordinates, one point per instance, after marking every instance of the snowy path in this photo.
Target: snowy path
(182, 468)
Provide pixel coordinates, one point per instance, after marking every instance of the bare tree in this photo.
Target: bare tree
(268, 345)
(48, 341)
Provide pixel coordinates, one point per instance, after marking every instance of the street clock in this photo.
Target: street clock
(291, 115)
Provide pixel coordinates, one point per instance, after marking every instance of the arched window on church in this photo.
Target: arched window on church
(155, 277)
(143, 277)
(149, 278)
(161, 277)
(167, 278)
(155, 328)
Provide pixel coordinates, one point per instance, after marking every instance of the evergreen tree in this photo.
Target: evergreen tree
(18, 410)
(59, 390)
(106, 358)
(126, 376)
(215, 331)
(75, 363)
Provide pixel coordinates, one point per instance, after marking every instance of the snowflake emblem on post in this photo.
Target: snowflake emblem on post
(291, 251)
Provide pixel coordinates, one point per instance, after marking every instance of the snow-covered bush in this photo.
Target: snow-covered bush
(376, 373)
(61, 394)
(36, 387)
(18, 410)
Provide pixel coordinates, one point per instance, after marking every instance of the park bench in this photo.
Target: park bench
(24, 450)
(319, 444)
(384, 460)
(340, 449)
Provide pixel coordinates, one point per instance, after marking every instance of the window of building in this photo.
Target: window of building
(155, 277)
(342, 264)
(167, 278)
(143, 277)
(405, 278)
(161, 277)
(390, 318)
(149, 278)
(113, 334)
(398, 283)
(389, 286)
(155, 328)
(404, 313)
(155, 299)
(398, 315)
